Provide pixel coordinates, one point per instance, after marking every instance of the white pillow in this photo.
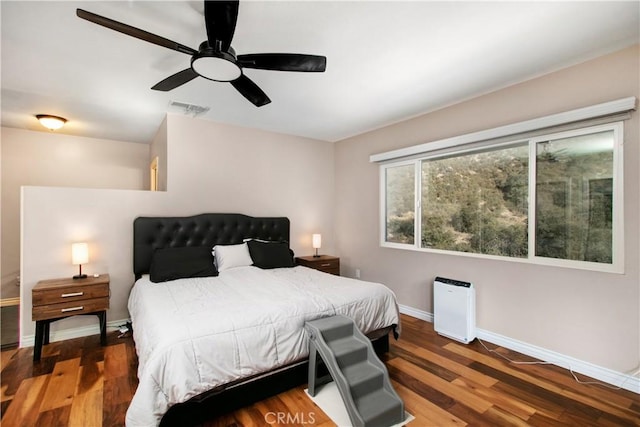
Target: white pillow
(231, 256)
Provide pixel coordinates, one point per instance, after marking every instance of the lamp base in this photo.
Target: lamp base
(79, 276)
(317, 256)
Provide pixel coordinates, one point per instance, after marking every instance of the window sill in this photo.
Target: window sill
(616, 268)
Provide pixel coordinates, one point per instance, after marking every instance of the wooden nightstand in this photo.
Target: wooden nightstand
(327, 263)
(57, 299)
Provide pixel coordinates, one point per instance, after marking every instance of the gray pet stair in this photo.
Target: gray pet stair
(361, 378)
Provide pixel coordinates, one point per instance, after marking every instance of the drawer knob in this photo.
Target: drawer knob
(65, 310)
(325, 265)
(72, 294)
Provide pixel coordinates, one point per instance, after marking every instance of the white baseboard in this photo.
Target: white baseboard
(67, 334)
(606, 375)
(414, 312)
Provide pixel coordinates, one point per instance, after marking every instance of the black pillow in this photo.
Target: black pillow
(270, 254)
(178, 263)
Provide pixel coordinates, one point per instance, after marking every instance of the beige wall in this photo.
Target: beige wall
(211, 168)
(590, 316)
(234, 169)
(158, 149)
(53, 159)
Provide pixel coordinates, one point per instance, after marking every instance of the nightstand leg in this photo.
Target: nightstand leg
(46, 332)
(103, 327)
(37, 348)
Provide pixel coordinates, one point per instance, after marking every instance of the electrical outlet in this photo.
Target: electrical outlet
(357, 273)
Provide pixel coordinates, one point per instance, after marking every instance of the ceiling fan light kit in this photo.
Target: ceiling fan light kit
(216, 60)
(216, 65)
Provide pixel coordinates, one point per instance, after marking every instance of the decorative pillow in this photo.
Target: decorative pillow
(231, 256)
(270, 254)
(178, 263)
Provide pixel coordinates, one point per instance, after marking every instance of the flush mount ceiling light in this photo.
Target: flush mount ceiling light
(51, 122)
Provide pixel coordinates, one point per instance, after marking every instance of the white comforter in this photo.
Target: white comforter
(195, 334)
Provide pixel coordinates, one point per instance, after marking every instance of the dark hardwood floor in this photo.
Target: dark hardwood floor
(443, 383)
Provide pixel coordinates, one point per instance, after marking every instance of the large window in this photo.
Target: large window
(552, 199)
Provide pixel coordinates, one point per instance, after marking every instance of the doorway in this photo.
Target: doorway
(9, 321)
(153, 174)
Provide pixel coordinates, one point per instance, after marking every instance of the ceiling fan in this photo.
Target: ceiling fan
(216, 59)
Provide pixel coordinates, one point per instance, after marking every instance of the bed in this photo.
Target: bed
(227, 336)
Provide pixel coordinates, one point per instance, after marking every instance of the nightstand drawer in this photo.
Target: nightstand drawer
(326, 263)
(70, 293)
(329, 266)
(335, 270)
(69, 308)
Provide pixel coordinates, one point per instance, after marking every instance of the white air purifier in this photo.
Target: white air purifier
(454, 309)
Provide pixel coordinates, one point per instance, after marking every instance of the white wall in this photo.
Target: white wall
(53, 159)
(593, 317)
(211, 168)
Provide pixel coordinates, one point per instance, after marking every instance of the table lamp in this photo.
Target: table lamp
(79, 256)
(317, 243)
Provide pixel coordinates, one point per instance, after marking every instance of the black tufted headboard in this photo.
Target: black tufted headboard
(151, 233)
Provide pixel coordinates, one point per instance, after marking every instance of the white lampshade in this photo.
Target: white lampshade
(79, 253)
(317, 241)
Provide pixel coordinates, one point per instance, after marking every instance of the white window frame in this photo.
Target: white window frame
(617, 226)
(383, 203)
(617, 265)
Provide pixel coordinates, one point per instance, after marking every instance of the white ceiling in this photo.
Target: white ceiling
(386, 60)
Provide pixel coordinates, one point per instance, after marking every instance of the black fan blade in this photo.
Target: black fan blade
(220, 18)
(178, 79)
(134, 32)
(284, 62)
(250, 90)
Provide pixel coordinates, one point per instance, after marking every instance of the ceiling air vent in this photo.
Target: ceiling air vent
(192, 109)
